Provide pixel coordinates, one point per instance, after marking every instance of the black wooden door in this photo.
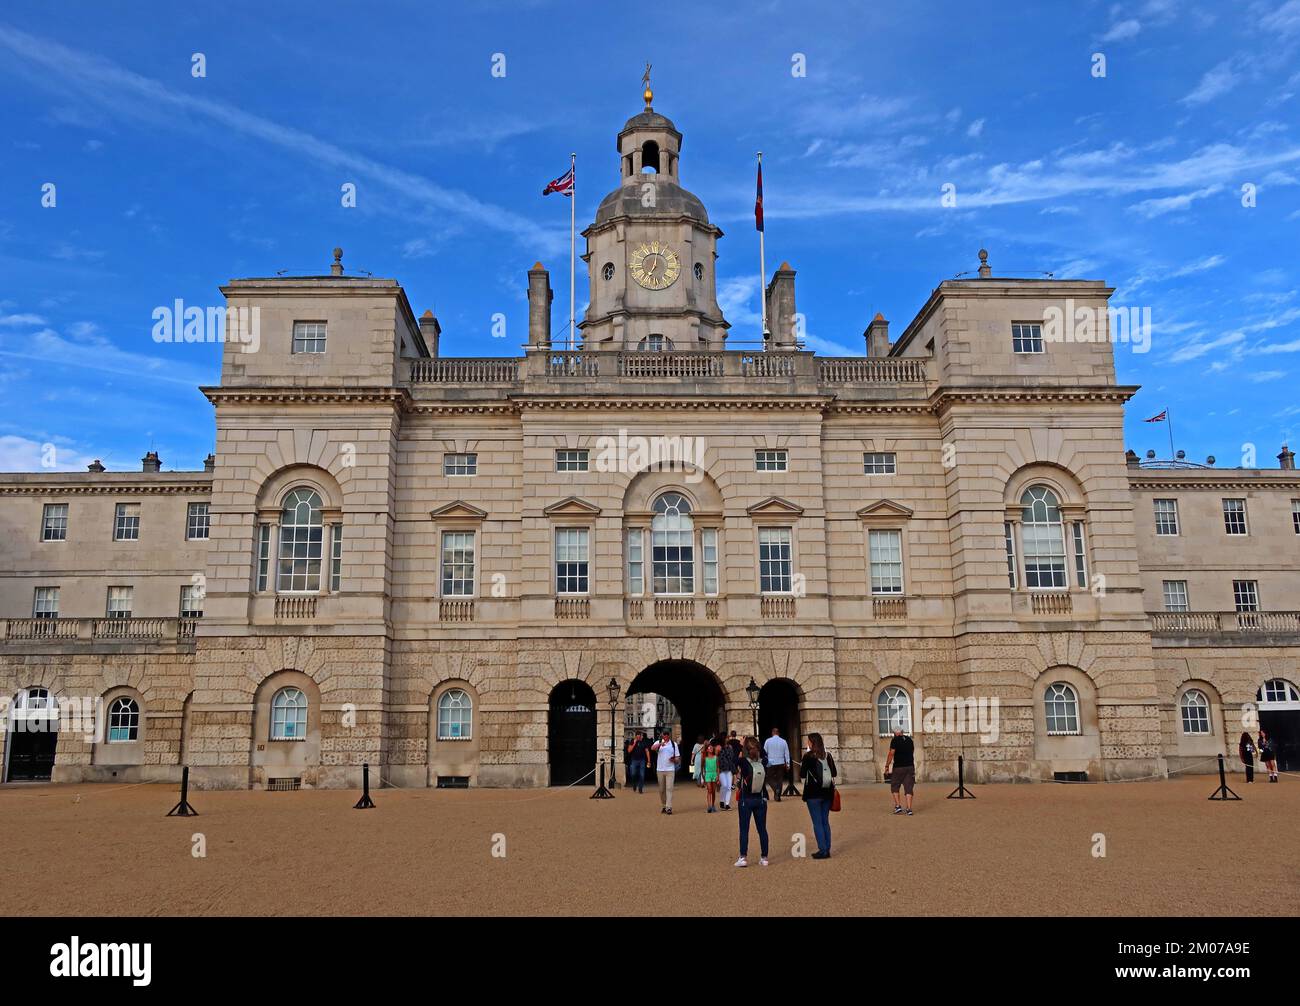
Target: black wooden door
(31, 754)
(572, 742)
(1283, 729)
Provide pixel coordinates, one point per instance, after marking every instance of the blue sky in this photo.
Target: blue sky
(168, 185)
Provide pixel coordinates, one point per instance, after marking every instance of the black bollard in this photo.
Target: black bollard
(183, 809)
(365, 803)
(601, 792)
(1223, 793)
(961, 792)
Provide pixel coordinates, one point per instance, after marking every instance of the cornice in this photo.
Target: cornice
(809, 403)
(306, 396)
(946, 397)
(109, 489)
(1229, 481)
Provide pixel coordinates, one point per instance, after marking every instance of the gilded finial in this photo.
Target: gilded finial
(645, 79)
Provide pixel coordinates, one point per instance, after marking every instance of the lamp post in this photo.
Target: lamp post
(752, 691)
(612, 689)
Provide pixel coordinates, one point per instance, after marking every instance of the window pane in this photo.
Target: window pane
(309, 337)
(457, 563)
(301, 542)
(886, 548)
(571, 565)
(635, 562)
(771, 461)
(879, 463)
(1026, 337)
(54, 522)
(571, 460)
(709, 550)
(672, 545)
(775, 566)
(197, 521)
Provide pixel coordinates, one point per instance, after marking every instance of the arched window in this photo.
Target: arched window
(650, 157)
(607, 271)
(36, 707)
(123, 719)
(289, 715)
(454, 715)
(1276, 691)
(1196, 712)
(1062, 707)
(655, 342)
(893, 711)
(1042, 535)
(302, 538)
(672, 545)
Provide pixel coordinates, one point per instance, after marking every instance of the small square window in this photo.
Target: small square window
(572, 460)
(771, 461)
(309, 337)
(126, 522)
(197, 522)
(880, 463)
(460, 464)
(54, 522)
(1245, 594)
(1026, 337)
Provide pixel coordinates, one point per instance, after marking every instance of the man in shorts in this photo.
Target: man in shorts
(903, 776)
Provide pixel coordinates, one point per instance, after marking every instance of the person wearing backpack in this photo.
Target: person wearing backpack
(669, 756)
(818, 772)
(752, 799)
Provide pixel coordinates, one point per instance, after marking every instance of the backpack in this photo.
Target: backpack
(760, 778)
(825, 766)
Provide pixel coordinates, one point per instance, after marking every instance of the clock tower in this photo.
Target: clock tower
(651, 251)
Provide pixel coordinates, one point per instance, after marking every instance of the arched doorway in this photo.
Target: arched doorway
(778, 706)
(571, 732)
(32, 736)
(1279, 716)
(694, 699)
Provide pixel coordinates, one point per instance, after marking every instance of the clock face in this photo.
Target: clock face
(654, 265)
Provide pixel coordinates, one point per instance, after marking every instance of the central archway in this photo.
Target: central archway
(692, 692)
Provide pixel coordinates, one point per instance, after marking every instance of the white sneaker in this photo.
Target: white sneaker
(762, 862)
(742, 861)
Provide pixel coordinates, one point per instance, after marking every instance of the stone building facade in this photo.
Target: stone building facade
(440, 566)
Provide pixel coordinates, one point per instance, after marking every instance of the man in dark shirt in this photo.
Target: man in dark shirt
(903, 776)
(638, 756)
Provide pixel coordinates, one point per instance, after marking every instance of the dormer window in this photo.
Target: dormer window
(308, 337)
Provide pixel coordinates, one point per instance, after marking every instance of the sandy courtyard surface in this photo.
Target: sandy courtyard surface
(1015, 850)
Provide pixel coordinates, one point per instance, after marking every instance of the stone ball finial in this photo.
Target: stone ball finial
(985, 271)
(337, 268)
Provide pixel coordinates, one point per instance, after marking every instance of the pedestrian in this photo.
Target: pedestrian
(778, 761)
(638, 759)
(669, 756)
(695, 760)
(726, 768)
(710, 775)
(818, 773)
(734, 743)
(1267, 755)
(902, 757)
(752, 800)
(1246, 749)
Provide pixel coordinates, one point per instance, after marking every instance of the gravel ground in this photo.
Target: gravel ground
(1016, 850)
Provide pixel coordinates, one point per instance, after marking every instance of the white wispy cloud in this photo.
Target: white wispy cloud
(1196, 350)
(1219, 80)
(23, 454)
(1151, 208)
(1121, 30)
(975, 128)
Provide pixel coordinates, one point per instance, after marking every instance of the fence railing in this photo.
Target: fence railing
(1207, 623)
(686, 365)
(25, 629)
(90, 630)
(465, 370)
(866, 370)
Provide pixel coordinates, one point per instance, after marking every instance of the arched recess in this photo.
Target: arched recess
(276, 758)
(271, 493)
(571, 732)
(696, 697)
(1069, 747)
(116, 743)
(454, 727)
(1198, 726)
(1045, 526)
(893, 704)
(779, 703)
(327, 541)
(31, 735)
(1278, 703)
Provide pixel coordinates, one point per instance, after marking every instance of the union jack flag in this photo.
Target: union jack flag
(562, 185)
(1158, 419)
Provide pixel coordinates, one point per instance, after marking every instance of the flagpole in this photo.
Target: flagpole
(1169, 420)
(762, 275)
(573, 217)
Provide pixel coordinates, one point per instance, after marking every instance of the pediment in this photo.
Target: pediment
(571, 506)
(458, 510)
(885, 510)
(774, 506)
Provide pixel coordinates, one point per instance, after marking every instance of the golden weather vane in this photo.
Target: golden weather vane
(645, 79)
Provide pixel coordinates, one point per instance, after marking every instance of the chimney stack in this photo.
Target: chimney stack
(210, 463)
(151, 462)
(95, 466)
(1287, 458)
(877, 336)
(540, 296)
(429, 331)
(337, 268)
(1131, 458)
(781, 310)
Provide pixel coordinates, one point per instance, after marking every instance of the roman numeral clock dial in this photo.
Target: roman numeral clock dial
(655, 266)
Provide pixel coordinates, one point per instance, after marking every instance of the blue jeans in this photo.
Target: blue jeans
(636, 777)
(756, 807)
(820, 812)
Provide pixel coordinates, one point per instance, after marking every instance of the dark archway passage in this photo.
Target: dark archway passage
(571, 732)
(778, 706)
(696, 695)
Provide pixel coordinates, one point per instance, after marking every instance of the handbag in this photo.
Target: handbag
(835, 799)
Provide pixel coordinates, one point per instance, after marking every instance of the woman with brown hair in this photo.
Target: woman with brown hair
(818, 773)
(751, 799)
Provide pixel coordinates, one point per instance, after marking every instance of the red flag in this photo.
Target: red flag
(562, 185)
(758, 200)
(1158, 419)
